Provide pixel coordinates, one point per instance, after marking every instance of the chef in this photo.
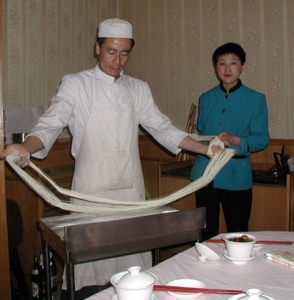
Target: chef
(102, 108)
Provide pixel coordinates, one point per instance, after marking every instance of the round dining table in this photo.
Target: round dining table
(275, 280)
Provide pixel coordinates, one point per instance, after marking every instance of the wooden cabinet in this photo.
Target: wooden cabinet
(270, 206)
(276, 202)
(170, 182)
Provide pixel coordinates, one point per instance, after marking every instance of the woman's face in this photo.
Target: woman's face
(228, 70)
(113, 55)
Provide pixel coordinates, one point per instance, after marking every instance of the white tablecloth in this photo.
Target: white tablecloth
(273, 279)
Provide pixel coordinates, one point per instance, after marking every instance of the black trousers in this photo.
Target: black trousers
(236, 207)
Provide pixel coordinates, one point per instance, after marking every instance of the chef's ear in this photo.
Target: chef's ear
(97, 48)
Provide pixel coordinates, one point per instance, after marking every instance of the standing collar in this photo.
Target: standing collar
(103, 76)
(233, 89)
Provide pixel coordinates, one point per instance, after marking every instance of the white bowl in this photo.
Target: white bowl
(236, 249)
(133, 284)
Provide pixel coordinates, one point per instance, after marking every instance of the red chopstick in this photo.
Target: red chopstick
(257, 242)
(182, 289)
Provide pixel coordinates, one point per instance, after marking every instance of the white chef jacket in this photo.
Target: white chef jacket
(73, 102)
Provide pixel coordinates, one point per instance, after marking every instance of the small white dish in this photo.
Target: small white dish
(186, 283)
(238, 260)
(114, 297)
(258, 247)
(206, 253)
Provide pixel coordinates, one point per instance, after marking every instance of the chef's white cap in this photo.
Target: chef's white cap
(116, 28)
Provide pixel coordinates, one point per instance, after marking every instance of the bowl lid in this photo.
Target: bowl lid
(206, 253)
(136, 279)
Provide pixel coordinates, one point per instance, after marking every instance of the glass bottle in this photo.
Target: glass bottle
(53, 269)
(42, 274)
(35, 280)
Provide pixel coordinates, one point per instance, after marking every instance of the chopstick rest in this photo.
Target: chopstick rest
(181, 289)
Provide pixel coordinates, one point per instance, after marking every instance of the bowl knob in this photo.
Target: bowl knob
(134, 270)
(253, 293)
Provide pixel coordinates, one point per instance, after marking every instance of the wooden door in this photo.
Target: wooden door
(4, 257)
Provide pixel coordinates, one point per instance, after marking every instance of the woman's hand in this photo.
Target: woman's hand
(229, 139)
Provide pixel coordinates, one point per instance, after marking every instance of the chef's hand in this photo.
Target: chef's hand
(20, 152)
(215, 146)
(24, 150)
(229, 139)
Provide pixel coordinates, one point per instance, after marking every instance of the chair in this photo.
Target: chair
(19, 288)
(190, 128)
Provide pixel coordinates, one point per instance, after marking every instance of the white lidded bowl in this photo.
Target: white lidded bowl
(251, 294)
(133, 284)
(239, 249)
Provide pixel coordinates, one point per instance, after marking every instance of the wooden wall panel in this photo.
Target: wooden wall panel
(4, 258)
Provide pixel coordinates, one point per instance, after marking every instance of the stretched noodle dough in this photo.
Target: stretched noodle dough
(109, 205)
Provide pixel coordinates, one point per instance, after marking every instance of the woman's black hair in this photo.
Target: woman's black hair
(229, 48)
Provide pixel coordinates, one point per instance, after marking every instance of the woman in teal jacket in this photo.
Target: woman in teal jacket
(239, 116)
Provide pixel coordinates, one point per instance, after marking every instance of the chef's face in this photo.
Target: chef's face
(114, 54)
(228, 69)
